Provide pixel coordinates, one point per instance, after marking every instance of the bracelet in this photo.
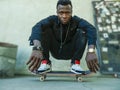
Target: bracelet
(38, 48)
(91, 50)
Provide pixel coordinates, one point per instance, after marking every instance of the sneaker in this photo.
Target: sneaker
(44, 67)
(76, 68)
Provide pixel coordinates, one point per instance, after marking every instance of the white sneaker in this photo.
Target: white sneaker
(76, 68)
(44, 67)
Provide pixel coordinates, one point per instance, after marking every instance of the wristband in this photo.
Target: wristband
(38, 48)
(91, 50)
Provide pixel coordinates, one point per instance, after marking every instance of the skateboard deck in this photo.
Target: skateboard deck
(79, 77)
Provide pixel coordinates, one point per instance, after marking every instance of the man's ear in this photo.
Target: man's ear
(56, 11)
(71, 11)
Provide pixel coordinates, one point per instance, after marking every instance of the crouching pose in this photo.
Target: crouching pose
(65, 37)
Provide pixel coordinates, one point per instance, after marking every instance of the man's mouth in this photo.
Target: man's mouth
(64, 20)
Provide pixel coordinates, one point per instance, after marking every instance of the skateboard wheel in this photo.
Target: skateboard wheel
(115, 75)
(80, 79)
(42, 78)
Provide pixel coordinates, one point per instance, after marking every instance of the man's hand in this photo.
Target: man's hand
(92, 62)
(35, 60)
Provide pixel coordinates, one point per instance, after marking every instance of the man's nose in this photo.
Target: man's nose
(64, 15)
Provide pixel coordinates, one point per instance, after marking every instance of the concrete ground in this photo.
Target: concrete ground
(101, 82)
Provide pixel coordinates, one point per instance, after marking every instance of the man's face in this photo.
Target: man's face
(64, 13)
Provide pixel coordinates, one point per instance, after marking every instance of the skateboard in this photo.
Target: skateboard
(79, 77)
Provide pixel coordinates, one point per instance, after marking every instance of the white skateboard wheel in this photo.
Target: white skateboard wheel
(42, 78)
(80, 79)
(115, 75)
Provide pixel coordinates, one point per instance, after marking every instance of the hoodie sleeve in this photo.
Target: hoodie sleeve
(37, 30)
(90, 30)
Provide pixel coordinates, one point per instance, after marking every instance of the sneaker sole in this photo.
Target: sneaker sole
(75, 72)
(42, 72)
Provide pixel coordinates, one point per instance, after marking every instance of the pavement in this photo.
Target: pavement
(23, 82)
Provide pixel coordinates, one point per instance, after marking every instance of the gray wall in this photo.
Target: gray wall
(17, 18)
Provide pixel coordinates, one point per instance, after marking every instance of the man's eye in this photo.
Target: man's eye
(64, 12)
(61, 12)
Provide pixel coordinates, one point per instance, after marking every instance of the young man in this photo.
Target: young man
(65, 37)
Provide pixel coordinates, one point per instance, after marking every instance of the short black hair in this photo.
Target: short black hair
(63, 2)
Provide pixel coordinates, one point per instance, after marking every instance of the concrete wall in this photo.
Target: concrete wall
(17, 18)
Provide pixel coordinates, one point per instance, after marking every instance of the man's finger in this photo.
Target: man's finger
(38, 65)
(96, 66)
(90, 66)
(34, 67)
(29, 60)
(32, 63)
